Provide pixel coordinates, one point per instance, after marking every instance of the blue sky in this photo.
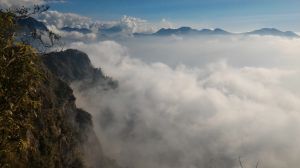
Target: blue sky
(236, 15)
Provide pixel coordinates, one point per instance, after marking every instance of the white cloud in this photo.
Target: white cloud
(204, 116)
(128, 25)
(60, 20)
(137, 25)
(198, 51)
(56, 20)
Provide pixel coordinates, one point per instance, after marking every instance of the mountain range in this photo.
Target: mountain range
(31, 23)
(273, 32)
(182, 31)
(190, 31)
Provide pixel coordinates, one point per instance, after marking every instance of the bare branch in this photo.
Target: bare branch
(23, 12)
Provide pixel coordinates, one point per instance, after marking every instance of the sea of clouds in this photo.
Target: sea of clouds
(189, 102)
(197, 102)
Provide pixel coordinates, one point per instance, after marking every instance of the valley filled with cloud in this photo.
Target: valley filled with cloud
(197, 102)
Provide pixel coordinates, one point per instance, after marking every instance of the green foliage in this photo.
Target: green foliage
(7, 29)
(20, 78)
(36, 108)
(40, 126)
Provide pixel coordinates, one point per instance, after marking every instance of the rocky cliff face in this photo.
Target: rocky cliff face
(49, 131)
(74, 66)
(63, 68)
(57, 135)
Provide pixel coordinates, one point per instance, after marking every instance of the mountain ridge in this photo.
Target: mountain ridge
(218, 31)
(71, 66)
(184, 30)
(190, 31)
(272, 31)
(80, 30)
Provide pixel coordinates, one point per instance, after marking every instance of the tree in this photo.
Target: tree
(20, 77)
(41, 40)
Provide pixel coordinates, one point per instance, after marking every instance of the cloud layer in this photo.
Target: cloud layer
(198, 51)
(60, 20)
(205, 116)
(136, 25)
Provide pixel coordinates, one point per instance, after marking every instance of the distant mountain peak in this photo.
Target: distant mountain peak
(185, 28)
(219, 31)
(190, 31)
(272, 32)
(81, 30)
(178, 31)
(32, 24)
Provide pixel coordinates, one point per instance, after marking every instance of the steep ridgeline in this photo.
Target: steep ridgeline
(75, 66)
(40, 125)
